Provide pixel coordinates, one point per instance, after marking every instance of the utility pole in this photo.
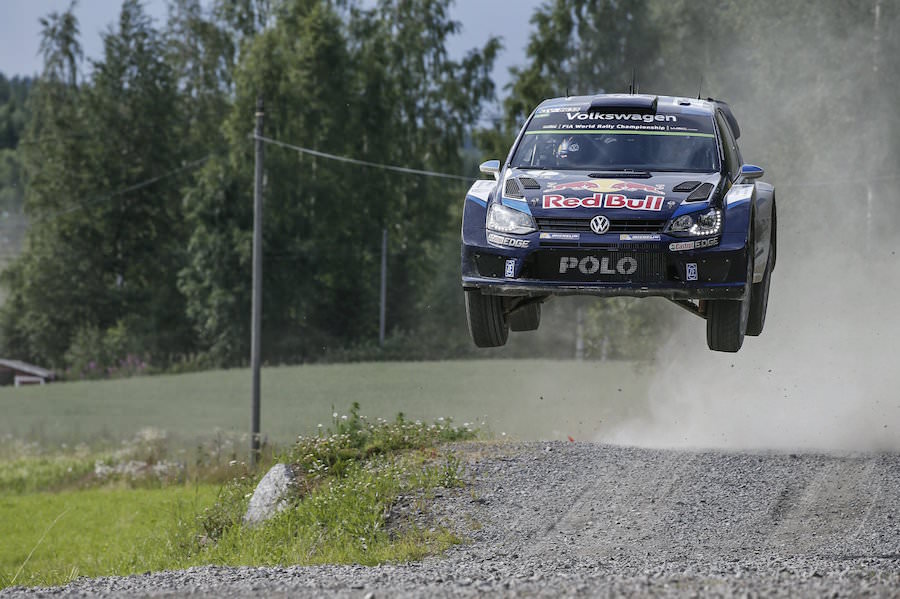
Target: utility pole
(256, 319)
(384, 240)
(579, 334)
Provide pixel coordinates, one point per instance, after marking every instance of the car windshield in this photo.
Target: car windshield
(576, 140)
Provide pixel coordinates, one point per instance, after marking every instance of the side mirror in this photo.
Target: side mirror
(751, 171)
(491, 167)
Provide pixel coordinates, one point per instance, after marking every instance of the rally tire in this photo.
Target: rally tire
(488, 324)
(726, 320)
(723, 325)
(526, 318)
(759, 300)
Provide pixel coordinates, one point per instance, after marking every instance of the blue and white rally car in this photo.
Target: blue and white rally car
(621, 195)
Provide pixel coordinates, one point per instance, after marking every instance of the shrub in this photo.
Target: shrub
(96, 354)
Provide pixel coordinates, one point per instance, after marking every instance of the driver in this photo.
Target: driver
(571, 152)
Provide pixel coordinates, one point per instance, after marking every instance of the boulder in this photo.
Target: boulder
(271, 495)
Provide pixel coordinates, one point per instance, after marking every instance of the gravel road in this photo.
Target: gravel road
(552, 519)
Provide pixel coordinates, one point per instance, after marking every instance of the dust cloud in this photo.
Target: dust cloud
(825, 374)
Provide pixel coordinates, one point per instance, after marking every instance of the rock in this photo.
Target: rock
(271, 495)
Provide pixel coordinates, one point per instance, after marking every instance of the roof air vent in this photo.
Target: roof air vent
(634, 104)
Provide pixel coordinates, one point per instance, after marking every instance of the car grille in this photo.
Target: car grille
(583, 225)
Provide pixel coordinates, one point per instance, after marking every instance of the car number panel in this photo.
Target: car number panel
(600, 266)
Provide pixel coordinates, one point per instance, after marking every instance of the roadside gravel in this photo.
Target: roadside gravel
(557, 519)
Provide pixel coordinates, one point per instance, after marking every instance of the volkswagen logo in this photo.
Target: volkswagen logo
(599, 224)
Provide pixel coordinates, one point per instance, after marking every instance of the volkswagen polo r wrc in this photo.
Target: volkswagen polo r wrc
(621, 195)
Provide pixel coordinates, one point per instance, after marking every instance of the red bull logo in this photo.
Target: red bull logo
(579, 186)
(604, 200)
(632, 186)
(608, 186)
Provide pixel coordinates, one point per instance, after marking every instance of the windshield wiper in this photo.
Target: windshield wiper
(625, 174)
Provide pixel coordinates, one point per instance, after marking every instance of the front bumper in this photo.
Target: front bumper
(650, 270)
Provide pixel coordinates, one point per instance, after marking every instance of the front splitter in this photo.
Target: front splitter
(531, 288)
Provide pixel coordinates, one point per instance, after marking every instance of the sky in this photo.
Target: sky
(20, 30)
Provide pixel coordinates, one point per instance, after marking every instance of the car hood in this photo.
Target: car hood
(578, 194)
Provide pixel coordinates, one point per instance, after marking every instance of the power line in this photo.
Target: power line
(124, 190)
(401, 169)
(387, 167)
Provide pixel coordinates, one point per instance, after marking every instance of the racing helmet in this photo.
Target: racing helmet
(568, 149)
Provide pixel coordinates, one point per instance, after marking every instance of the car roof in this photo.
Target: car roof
(672, 103)
(663, 104)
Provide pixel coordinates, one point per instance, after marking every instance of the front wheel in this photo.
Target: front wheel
(725, 324)
(726, 320)
(488, 324)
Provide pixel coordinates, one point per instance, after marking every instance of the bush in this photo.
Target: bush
(352, 456)
(96, 354)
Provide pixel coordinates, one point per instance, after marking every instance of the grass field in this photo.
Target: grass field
(91, 532)
(527, 399)
(60, 519)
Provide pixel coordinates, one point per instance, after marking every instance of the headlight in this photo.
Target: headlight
(506, 220)
(698, 224)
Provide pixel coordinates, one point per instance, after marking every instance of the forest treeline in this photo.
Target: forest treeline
(131, 174)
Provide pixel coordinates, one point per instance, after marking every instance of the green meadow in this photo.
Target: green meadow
(51, 538)
(70, 513)
(526, 399)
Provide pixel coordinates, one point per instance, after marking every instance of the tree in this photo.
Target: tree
(202, 54)
(584, 47)
(371, 84)
(13, 117)
(96, 259)
(60, 46)
(50, 156)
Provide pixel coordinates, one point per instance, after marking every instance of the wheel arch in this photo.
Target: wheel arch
(762, 219)
(773, 237)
